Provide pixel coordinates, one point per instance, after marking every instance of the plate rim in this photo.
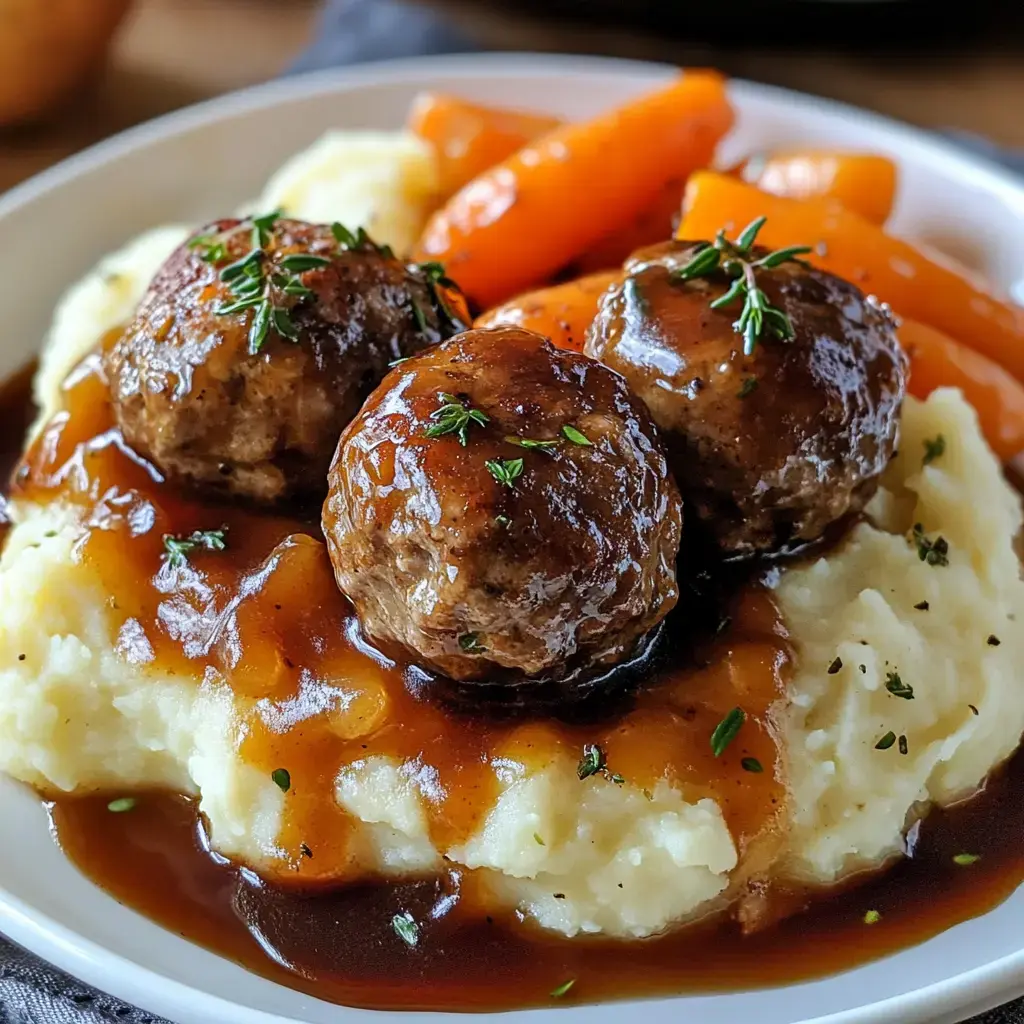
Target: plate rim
(968, 992)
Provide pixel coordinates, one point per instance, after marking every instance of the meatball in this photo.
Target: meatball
(254, 346)
(499, 504)
(768, 448)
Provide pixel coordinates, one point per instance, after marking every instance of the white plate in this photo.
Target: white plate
(202, 162)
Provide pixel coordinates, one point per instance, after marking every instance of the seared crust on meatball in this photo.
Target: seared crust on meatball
(486, 555)
(767, 449)
(191, 393)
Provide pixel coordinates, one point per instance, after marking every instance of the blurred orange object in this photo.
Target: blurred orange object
(48, 48)
(469, 138)
(937, 361)
(916, 285)
(561, 313)
(532, 214)
(863, 182)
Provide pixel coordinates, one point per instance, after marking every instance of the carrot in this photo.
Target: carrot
(863, 182)
(532, 214)
(938, 361)
(654, 224)
(469, 138)
(917, 286)
(562, 313)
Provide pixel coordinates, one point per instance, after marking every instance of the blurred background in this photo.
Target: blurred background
(75, 71)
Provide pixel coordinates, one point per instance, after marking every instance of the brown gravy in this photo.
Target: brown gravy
(338, 943)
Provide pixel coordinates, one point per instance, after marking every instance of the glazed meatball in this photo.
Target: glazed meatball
(499, 504)
(255, 345)
(769, 448)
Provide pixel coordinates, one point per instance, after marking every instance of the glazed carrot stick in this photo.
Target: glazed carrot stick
(915, 285)
(469, 138)
(938, 361)
(532, 214)
(562, 313)
(863, 182)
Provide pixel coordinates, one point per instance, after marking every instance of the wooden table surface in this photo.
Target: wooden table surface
(174, 52)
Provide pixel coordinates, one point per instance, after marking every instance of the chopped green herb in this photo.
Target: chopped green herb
(748, 387)
(617, 779)
(922, 606)
(993, 640)
(537, 839)
(305, 851)
(406, 928)
(648, 795)
(453, 417)
(934, 552)
(835, 666)
(526, 442)
(751, 764)
(933, 449)
(177, 549)
(731, 258)
(122, 804)
(470, 643)
(886, 741)
(726, 730)
(299, 262)
(502, 520)
(398, 362)
(505, 471)
(576, 436)
(282, 779)
(872, 917)
(904, 748)
(897, 687)
(965, 860)
(974, 710)
(561, 990)
(420, 317)
(592, 761)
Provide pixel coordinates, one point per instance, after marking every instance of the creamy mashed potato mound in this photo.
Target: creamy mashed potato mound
(83, 707)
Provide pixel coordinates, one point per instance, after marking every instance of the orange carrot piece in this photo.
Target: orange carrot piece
(915, 285)
(532, 214)
(470, 138)
(863, 182)
(561, 313)
(938, 361)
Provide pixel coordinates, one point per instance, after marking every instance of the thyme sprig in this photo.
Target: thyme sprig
(452, 417)
(177, 549)
(757, 315)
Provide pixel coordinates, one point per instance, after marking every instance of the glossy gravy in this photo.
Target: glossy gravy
(266, 617)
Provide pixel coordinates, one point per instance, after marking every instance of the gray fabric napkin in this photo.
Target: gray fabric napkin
(33, 992)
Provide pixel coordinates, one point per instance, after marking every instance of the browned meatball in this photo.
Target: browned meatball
(501, 504)
(239, 376)
(768, 448)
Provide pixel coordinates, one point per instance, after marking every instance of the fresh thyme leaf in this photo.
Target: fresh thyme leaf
(965, 860)
(903, 745)
(576, 436)
(933, 448)
(453, 417)
(260, 326)
(934, 552)
(974, 710)
(748, 387)
(897, 687)
(505, 471)
(886, 741)
(282, 779)
(470, 643)
(406, 928)
(343, 236)
(177, 548)
(121, 804)
(283, 323)
(502, 520)
(757, 315)
(420, 317)
(526, 442)
(872, 917)
(299, 262)
(592, 762)
(751, 764)
(922, 606)
(619, 780)
(262, 228)
(561, 990)
(537, 839)
(726, 730)
(398, 362)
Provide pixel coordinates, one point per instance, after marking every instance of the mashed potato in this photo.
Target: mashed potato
(950, 633)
